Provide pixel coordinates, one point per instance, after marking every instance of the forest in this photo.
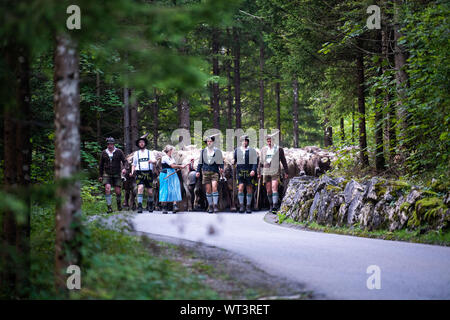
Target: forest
(321, 72)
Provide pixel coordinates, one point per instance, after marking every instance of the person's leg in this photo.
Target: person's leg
(108, 196)
(269, 194)
(140, 197)
(241, 197)
(275, 194)
(249, 198)
(209, 197)
(150, 199)
(215, 194)
(118, 197)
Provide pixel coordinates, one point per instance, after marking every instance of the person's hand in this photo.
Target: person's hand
(100, 179)
(286, 176)
(124, 172)
(131, 174)
(221, 170)
(259, 176)
(197, 174)
(252, 173)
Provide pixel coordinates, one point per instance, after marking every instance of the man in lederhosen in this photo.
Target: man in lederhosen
(269, 168)
(210, 165)
(143, 161)
(111, 161)
(246, 160)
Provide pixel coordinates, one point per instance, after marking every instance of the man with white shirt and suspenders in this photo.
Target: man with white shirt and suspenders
(143, 161)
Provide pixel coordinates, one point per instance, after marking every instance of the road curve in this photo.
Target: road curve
(333, 266)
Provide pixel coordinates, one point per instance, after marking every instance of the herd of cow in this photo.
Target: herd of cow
(312, 161)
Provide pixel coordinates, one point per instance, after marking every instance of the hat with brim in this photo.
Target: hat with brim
(242, 138)
(212, 137)
(143, 138)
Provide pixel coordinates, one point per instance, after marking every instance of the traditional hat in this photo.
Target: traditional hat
(110, 140)
(272, 135)
(211, 137)
(245, 137)
(143, 138)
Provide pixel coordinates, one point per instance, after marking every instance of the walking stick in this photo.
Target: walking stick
(234, 187)
(257, 194)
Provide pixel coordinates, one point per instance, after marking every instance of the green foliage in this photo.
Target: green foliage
(115, 265)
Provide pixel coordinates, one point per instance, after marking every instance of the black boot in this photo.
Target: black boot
(210, 209)
(119, 205)
(139, 208)
(164, 208)
(110, 210)
(275, 209)
(175, 208)
(149, 206)
(269, 197)
(249, 210)
(216, 208)
(241, 208)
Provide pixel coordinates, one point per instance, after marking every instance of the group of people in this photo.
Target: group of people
(210, 168)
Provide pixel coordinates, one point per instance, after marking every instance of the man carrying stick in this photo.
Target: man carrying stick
(245, 159)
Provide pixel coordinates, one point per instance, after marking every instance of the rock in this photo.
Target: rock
(370, 189)
(351, 190)
(365, 217)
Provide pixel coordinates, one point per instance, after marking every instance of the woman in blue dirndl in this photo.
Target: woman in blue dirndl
(169, 184)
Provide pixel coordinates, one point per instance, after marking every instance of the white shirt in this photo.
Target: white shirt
(141, 158)
(269, 154)
(168, 160)
(110, 154)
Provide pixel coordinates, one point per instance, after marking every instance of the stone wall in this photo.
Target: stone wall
(373, 204)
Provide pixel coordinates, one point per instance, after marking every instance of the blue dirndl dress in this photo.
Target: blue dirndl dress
(169, 189)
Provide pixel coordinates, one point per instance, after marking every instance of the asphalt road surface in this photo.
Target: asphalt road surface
(332, 266)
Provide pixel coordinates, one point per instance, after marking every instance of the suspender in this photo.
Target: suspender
(148, 156)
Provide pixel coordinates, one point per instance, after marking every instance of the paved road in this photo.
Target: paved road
(333, 266)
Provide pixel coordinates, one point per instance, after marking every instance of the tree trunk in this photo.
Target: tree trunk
(97, 114)
(185, 115)
(361, 110)
(237, 78)
(295, 111)
(353, 124)
(126, 120)
(277, 94)
(261, 84)
(215, 85)
(67, 157)
(389, 107)
(155, 111)
(229, 93)
(15, 233)
(134, 124)
(401, 76)
(328, 130)
(342, 130)
(379, 145)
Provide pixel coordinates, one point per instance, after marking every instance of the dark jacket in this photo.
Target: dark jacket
(216, 163)
(251, 160)
(111, 167)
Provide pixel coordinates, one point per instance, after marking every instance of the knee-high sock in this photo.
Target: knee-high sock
(269, 196)
(249, 199)
(241, 198)
(209, 197)
(108, 199)
(275, 198)
(215, 196)
(140, 197)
